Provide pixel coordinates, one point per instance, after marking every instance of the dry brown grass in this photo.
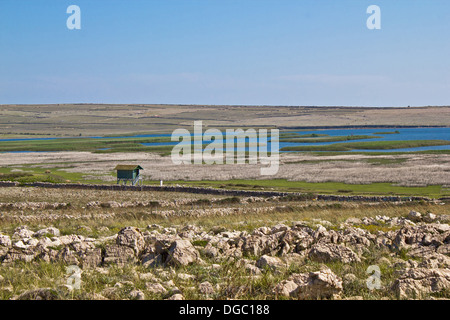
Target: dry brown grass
(92, 119)
(243, 216)
(413, 170)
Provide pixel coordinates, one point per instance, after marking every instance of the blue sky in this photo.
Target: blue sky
(256, 52)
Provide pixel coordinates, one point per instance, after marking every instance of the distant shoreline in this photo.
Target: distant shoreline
(119, 119)
(365, 127)
(214, 105)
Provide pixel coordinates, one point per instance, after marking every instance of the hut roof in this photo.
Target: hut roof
(128, 167)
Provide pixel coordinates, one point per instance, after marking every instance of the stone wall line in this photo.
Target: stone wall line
(214, 191)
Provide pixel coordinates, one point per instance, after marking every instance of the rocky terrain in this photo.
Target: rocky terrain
(302, 260)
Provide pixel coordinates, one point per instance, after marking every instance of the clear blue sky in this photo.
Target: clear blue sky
(258, 52)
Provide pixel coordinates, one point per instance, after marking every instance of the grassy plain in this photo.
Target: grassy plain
(102, 119)
(435, 191)
(60, 175)
(369, 145)
(328, 139)
(227, 276)
(86, 160)
(84, 144)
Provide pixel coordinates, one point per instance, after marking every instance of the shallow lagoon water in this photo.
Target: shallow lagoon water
(404, 134)
(441, 133)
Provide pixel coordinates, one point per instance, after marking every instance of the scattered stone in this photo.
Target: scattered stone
(435, 261)
(331, 253)
(182, 252)
(131, 237)
(427, 241)
(92, 258)
(38, 294)
(210, 251)
(148, 277)
(120, 255)
(122, 284)
(421, 252)
(174, 290)
(65, 289)
(322, 284)
(67, 256)
(417, 282)
(355, 221)
(155, 288)
(279, 228)
(19, 255)
(444, 249)
(185, 276)
(349, 278)
(354, 298)
(272, 263)
(110, 292)
(50, 231)
(252, 269)
(20, 245)
(285, 288)
(415, 216)
(152, 260)
(103, 229)
(176, 296)
(169, 284)
(385, 261)
(5, 241)
(137, 295)
(429, 217)
(21, 233)
(94, 296)
(206, 288)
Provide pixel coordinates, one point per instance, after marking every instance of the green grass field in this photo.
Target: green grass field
(104, 145)
(434, 191)
(370, 145)
(31, 174)
(108, 145)
(87, 144)
(328, 139)
(284, 135)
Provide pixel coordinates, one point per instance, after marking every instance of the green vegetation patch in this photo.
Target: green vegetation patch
(385, 161)
(388, 132)
(376, 153)
(298, 135)
(370, 145)
(30, 174)
(435, 191)
(329, 139)
(84, 144)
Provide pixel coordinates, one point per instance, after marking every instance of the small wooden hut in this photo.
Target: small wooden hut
(128, 172)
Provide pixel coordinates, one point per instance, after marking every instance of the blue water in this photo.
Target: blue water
(26, 139)
(161, 143)
(405, 134)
